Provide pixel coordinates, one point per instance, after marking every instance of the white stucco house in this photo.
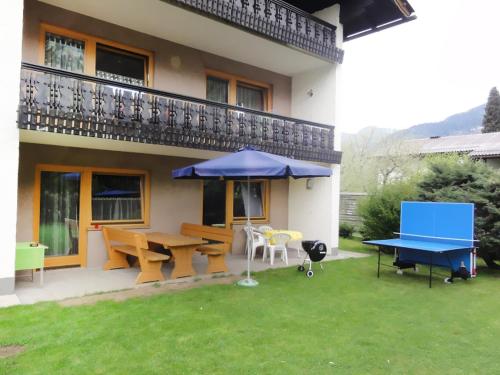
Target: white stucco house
(102, 99)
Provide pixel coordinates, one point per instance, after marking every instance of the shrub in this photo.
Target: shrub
(380, 210)
(346, 230)
(460, 179)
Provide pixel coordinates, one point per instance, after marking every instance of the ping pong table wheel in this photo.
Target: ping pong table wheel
(301, 268)
(399, 271)
(448, 280)
(310, 274)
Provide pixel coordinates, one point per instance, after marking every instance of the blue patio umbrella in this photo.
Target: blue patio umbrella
(250, 163)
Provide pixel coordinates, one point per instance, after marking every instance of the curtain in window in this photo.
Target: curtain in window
(116, 208)
(217, 90)
(119, 78)
(59, 212)
(250, 97)
(241, 202)
(116, 197)
(64, 53)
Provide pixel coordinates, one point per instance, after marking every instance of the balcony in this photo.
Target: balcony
(61, 102)
(268, 34)
(273, 19)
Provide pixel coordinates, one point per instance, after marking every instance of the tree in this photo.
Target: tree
(381, 209)
(357, 173)
(371, 158)
(460, 179)
(491, 119)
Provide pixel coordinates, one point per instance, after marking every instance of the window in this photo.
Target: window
(214, 203)
(117, 198)
(217, 89)
(64, 53)
(250, 96)
(244, 203)
(226, 88)
(226, 202)
(81, 53)
(118, 65)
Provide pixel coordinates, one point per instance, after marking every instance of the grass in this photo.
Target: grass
(344, 320)
(354, 244)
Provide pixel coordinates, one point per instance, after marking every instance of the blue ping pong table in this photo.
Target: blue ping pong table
(436, 234)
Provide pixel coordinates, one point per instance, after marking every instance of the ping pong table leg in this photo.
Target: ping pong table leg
(430, 273)
(378, 266)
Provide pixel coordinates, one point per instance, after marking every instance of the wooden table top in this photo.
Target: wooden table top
(173, 240)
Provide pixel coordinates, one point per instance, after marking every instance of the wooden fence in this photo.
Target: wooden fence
(348, 207)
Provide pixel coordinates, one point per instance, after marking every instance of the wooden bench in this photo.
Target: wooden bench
(120, 243)
(215, 252)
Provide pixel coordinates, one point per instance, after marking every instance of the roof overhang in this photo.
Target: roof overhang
(363, 17)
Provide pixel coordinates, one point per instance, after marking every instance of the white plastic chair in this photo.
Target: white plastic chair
(278, 244)
(256, 240)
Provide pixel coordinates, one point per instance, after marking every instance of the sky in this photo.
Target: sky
(444, 62)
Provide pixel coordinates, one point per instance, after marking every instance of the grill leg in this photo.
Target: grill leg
(309, 263)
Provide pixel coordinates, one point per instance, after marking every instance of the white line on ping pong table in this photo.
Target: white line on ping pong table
(440, 238)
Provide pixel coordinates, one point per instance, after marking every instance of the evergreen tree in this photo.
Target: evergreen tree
(465, 180)
(491, 120)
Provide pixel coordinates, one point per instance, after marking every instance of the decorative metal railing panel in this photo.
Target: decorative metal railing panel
(69, 103)
(276, 20)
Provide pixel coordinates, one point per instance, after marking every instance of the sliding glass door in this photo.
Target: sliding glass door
(58, 211)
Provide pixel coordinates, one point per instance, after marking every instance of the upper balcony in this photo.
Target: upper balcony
(63, 102)
(269, 34)
(274, 19)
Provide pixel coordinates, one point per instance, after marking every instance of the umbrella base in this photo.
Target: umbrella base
(248, 282)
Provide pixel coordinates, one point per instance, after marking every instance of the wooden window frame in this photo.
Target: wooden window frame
(91, 42)
(86, 223)
(230, 219)
(145, 204)
(233, 81)
(266, 200)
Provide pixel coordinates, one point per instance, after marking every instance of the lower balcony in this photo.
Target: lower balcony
(61, 102)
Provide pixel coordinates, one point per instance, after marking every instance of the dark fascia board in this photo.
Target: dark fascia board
(379, 28)
(363, 17)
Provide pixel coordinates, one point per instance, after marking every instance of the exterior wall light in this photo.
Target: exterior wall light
(309, 183)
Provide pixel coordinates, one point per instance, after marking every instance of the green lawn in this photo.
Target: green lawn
(343, 320)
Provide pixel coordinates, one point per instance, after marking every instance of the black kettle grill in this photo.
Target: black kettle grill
(315, 252)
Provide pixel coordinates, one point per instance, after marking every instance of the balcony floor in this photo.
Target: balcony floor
(66, 283)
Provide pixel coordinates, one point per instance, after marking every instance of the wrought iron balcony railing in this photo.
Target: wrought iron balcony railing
(273, 19)
(62, 102)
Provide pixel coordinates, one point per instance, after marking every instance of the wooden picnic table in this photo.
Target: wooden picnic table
(182, 248)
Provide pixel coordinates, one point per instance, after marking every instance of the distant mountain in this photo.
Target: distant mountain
(469, 122)
(368, 138)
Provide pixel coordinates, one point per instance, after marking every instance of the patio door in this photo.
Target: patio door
(57, 213)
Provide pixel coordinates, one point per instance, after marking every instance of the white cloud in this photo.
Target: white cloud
(444, 62)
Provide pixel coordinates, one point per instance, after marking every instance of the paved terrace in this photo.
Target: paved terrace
(66, 283)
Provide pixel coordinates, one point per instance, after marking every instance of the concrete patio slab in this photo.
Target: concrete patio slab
(60, 284)
(9, 300)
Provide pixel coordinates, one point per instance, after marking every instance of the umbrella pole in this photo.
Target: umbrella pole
(248, 281)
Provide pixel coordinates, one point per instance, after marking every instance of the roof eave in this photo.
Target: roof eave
(379, 28)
